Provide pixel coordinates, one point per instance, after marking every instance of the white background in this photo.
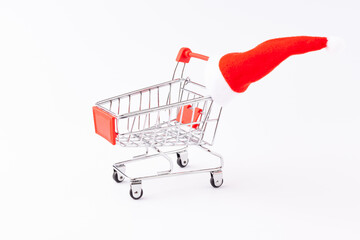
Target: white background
(290, 143)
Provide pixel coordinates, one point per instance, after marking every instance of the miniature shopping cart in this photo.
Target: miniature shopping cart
(165, 119)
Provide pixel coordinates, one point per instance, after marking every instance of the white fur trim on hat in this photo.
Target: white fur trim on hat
(335, 44)
(215, 83)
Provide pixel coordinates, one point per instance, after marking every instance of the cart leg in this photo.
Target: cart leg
(136, 191)
(216, 179)
(182, 158)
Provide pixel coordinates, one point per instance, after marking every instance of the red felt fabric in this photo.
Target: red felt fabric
(242, 69)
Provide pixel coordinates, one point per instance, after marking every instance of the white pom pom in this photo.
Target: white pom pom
(335, 44)
(215, 83)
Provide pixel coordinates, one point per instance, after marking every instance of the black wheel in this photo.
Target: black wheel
(181, 162)
(117, 178)
(217, 185)
(136, 198)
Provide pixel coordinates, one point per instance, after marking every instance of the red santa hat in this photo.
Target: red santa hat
(232, 73)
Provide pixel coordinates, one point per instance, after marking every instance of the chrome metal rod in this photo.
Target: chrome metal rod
(178, 104)
(140, 90)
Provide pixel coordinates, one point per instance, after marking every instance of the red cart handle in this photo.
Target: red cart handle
(185, 54)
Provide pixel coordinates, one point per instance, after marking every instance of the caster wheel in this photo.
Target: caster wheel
(135, 194)
(182, 159)
(217, 184)
(117, 177)
(216, 179)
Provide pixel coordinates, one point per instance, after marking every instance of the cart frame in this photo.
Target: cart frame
(181, 119)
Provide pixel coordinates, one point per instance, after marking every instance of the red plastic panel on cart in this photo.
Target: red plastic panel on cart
(188, 115)
(105, 124)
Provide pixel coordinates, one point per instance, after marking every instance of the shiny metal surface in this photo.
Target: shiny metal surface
(169, 172)
(150, 118)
